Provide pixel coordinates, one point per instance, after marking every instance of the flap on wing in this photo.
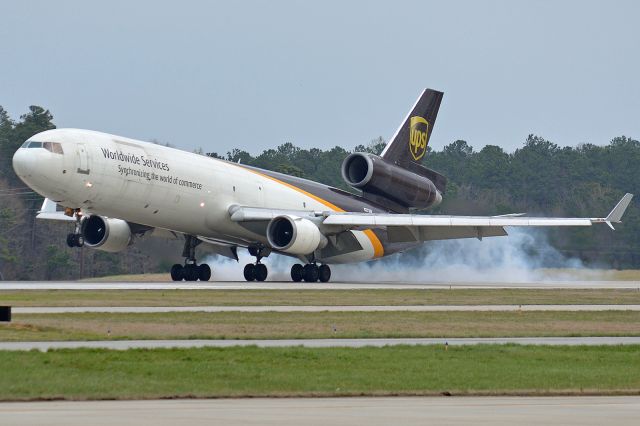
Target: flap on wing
(402, 234)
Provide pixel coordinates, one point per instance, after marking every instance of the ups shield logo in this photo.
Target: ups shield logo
(418, 131)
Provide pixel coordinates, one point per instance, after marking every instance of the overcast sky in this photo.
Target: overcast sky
(253, 75)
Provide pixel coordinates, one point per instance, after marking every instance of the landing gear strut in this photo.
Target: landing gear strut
(191, 271)
(75, 238)
(257, 271)
(310, 273)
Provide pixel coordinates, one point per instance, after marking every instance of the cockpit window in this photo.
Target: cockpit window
(54, 147)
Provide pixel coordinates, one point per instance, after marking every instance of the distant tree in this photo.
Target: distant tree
(237, 155)
(290, 170)
(215, 155)
(376, 146)
(57, 262)
(35, 121)
(6, 143)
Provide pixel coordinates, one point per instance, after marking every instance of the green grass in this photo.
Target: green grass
(297, 371)
(315, 297)
(284, 325)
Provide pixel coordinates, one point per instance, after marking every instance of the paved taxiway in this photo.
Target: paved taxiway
(385, 308)
(316, 343)
(276, 285)
(585, 410)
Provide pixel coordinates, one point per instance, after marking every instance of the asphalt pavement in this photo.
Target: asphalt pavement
(277, 285)
(496, 410)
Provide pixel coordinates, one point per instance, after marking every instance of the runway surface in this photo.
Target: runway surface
(274, 285)
(315, 343)
(619, 410)
(385, 308)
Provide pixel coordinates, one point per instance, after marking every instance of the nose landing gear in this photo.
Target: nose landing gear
(75, 238)
(310, 273)
(191, 271)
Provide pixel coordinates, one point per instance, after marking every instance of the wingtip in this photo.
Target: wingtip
(618, 211)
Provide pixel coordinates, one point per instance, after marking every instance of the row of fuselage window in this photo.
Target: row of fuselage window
(54, 147)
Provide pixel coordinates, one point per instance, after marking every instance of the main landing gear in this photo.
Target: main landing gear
(310, 273)
(191, 271)
(257, 271)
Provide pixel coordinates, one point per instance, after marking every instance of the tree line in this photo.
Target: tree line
(539, 178)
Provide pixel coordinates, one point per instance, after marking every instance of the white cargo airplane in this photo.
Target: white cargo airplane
(117, 189)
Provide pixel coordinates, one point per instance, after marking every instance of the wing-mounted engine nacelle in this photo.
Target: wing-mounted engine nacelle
(106, 234)
(373, 175)
(295, 235)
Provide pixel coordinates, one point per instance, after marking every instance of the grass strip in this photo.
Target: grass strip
(296, 371)
(317, 297)
(288, 325)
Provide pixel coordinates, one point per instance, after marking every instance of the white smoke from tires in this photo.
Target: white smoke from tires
(516, 258)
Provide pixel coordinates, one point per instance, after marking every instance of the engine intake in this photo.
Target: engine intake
(374, 176)
(295, 235)
(106, 234)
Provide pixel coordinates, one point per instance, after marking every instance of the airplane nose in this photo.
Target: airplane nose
(23, 163)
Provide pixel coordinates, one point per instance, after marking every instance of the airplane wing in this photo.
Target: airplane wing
(49, 211)
(411, 227)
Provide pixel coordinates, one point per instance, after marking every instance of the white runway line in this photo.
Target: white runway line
(315, 343)
(273, 285)
(378, 411)
(385, 308)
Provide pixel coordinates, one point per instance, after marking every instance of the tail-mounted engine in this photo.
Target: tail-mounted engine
(106, 234)
(379, 179)
(295, 235)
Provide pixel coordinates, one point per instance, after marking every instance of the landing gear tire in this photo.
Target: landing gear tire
(177, 272)
(249, 272)
(191, 272)
(75, 240)
(204, 272)
(261, 272)
(324, 273)
(311, 273)
(297, 272)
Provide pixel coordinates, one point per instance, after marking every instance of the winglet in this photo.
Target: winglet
(616, 214)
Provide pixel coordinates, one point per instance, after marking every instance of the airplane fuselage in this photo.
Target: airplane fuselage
(166, 188)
